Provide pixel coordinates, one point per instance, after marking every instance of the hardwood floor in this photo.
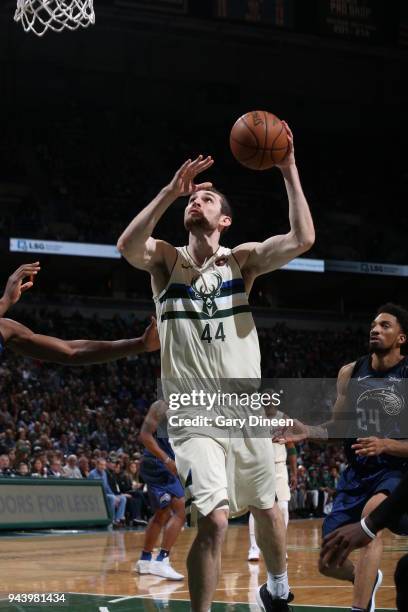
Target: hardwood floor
(102, 563)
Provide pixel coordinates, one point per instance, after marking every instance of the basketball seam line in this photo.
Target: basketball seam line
(242, 161)
(250, 129)
(276, 137)
(248, 146)
(265, 140)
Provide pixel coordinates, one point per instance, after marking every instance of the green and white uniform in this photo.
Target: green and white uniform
(205, 323)
(207, 332)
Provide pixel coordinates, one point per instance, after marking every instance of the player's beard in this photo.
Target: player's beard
(197, 222)
(376, 349)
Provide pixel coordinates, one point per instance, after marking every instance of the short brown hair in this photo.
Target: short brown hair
(226, 208)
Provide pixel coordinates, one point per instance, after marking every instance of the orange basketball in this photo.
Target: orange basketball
(258, 140)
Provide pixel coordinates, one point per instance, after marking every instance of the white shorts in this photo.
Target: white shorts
(282, 481)
(239, 472)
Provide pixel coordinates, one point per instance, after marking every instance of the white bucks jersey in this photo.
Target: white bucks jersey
(205, 323)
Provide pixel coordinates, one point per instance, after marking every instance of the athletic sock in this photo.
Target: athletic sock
(162, 554)
(251, 528)
(278, 585)
(146, 556)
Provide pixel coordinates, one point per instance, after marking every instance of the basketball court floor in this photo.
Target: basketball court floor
(94, 572)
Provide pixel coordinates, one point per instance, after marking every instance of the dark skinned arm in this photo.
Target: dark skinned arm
(24, 341)
(150, 425)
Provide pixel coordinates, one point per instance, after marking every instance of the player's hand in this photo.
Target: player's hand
(292, 433)
(16, 285)
(369, 447)
(337, 546)
(171, 466)
(183, 183)
(150, 337)
(293, 482)
(289, 159)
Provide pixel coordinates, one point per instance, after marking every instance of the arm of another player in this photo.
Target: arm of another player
(292, 459)
(16, 286)
(372, 446)
(136, 243)
(258, 258)
(331, 429)
(24, 341)
(156, 414)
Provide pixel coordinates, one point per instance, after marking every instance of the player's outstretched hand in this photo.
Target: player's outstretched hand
(337, 546)
(369, 447)
(182, 184)
(16, 285)
(291, 433)
(150, 337)
(289, 159)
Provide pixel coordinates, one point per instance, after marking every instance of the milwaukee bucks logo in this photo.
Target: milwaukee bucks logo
(207, 289)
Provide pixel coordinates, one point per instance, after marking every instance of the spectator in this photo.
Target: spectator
(8, 442)
(55, 468)
(5, 469)
(299, 496)
(313, 485)
(83, 466)
(22, 469)
(37, 468)
(71, 469)
(117, 501)
(136, 505)
(331, 489)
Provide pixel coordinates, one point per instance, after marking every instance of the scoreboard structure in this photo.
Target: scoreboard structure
(164, 6)
(278, 13)
(359, 20)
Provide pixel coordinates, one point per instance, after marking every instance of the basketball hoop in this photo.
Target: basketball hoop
(40, 15)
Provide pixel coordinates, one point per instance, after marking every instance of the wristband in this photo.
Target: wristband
(366, 530)
(291, 451)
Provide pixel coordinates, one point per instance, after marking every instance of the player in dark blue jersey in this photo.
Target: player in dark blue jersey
(166, 493)
(369, 413)
(372, 393)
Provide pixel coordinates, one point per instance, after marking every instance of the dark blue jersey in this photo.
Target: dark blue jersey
(377, 406)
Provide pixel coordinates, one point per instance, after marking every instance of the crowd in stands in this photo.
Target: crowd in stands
(61, 422)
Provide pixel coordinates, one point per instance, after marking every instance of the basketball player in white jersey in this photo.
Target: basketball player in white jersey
(207, 331)
(284, 484)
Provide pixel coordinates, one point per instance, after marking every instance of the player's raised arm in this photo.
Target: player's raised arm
(24, 341)
(17, 284)
(257, 258)
(136, 243)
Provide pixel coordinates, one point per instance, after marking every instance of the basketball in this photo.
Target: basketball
(258, 140)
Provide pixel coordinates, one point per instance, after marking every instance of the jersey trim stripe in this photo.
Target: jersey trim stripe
(220, 314)
(179, 290)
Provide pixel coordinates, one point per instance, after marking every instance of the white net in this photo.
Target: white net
(40, 15)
